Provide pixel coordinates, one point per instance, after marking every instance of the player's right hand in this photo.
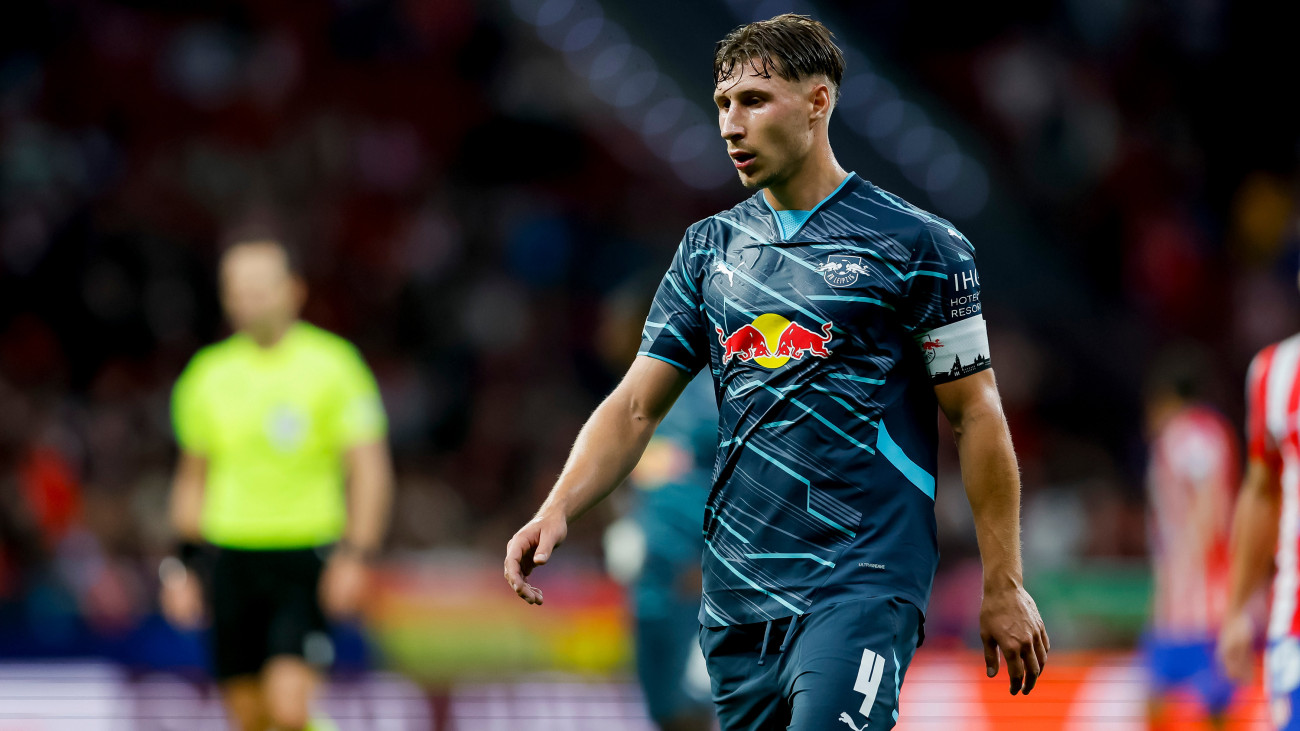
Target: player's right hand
(531, 547)
(1236, 648)
(182, 600)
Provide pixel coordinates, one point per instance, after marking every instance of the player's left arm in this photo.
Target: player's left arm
(1009, 618)
(361, 431)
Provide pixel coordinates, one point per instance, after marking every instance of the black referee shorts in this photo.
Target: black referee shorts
(264, 604)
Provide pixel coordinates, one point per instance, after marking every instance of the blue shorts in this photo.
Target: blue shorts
(837, 666)
(1189, 664)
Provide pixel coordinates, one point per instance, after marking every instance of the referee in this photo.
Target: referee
(273, 423)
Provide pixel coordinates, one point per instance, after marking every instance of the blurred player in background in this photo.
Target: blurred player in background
(1266, 532)
(285, 471)
(836, 319)
(656, 551)
(1192, 477)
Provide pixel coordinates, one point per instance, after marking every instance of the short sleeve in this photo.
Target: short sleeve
(1260, 444)
(674, 331)
(190, 418)
(360, 413)
(941, 304)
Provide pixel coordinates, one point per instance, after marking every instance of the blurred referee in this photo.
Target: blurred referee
(272, 422)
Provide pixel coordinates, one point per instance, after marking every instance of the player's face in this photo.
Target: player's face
(767, 124)
(258, 291)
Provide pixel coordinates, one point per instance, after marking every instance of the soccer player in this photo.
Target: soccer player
(272, 422)
(656, 549)
(1192, 476)
(834, 317)
(1266, 531)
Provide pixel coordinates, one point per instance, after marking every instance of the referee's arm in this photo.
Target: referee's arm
(370, 496)
(181, 597)
(1009, 619)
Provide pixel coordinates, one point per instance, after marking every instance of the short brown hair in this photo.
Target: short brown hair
(793, 46)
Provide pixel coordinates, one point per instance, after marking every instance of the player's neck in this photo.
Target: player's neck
(269, 337)
(817, 178)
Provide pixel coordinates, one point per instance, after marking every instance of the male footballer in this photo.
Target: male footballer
(834, 318)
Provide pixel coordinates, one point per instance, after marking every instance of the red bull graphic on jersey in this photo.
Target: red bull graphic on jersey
(772, 340)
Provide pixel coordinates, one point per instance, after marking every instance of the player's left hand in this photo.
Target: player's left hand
(1009, 621)
(343, 584)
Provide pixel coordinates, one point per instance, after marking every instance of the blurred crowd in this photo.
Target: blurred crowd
(490, 240)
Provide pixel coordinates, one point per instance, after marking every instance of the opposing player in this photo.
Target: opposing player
(1192, 478)
(273, 424)
(834, 317)
(656, 548)
(1266, 531)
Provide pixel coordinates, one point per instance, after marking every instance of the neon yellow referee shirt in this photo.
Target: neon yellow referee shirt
(274, 424)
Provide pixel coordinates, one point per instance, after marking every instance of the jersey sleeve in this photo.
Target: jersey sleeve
(359, 412)
(1260, 444)
(941, 305)
(190, 419)
(674, 330)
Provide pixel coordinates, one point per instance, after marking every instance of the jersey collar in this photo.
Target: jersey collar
(777, 219)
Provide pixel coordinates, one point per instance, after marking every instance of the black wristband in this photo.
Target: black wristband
(191, 554)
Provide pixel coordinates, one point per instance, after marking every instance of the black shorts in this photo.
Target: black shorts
(264, 604)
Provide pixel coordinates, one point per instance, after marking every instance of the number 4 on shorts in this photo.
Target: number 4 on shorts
(870, 672)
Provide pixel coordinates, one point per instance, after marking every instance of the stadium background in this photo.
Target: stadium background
(485, 194)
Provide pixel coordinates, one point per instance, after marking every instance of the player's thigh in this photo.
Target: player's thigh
(241, 616)
(298, 626)
(848, 665)
(746, 695)
(242, 697)
(288, 684)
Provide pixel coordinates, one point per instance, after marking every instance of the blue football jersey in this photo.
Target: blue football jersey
(825, 335)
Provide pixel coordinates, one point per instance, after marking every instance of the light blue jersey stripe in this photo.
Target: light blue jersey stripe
(911, 470)
(750, 581)
(669, 361)
(808, 556)
(860, 379)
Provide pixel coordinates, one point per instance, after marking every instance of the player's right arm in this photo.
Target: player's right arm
(1254, 526)
(181, 597)
(608, 447)
(1254, 537)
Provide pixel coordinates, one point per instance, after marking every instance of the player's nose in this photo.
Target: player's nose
(730, 126)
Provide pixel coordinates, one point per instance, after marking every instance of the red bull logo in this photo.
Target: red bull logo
(772, 340)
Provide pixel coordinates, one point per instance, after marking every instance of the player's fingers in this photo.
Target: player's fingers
(1041, 648)
(1015, 665)
(545, 546)
(1033, 668)
(990, 656)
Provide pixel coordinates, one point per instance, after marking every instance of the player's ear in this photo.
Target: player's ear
(820, 96)
(298, 292)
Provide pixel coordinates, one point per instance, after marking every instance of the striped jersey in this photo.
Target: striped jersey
(826, 333)
(1273, 437)
(1192, 476)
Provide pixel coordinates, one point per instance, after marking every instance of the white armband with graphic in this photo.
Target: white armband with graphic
(956, 350)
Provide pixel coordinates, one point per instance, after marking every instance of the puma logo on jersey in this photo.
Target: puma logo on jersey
(721, 267)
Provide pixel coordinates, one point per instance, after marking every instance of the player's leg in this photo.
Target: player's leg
(746, 694)
(846, 665)
(1282, 665)
(238, 638)
(298, 641)
(288, 686)
(242, 697)
(665, 645)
